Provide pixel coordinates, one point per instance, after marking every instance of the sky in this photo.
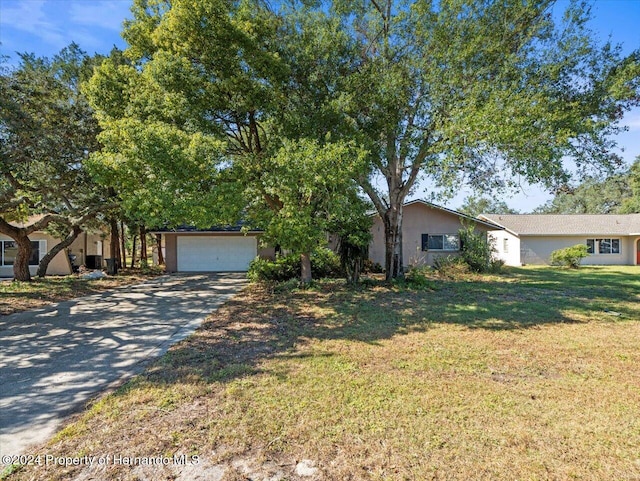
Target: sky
(44, 27)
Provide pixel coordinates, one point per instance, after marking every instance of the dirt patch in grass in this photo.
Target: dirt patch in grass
(18, 296)
(514, 377)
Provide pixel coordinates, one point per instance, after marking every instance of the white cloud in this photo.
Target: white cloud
(30, 17)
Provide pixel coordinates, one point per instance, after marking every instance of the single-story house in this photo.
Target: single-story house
(428, 231)
(612, 239)
(217, 249)
(89, 249)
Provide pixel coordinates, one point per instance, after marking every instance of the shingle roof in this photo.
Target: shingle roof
(567, 224)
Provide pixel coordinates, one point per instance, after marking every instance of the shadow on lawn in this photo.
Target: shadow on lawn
(234, 341)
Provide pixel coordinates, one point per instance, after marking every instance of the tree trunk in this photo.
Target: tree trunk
(113, 241)
(305, 263)
(143, 246)
(21, 262)
(133, 251)
(66, 242)
(393, 242)
(123, 246)
(159, 245)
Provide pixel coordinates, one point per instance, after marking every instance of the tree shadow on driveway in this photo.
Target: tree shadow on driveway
(54, 359)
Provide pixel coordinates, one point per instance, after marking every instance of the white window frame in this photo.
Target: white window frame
(446, 242)
(602, 245)
(42, 250)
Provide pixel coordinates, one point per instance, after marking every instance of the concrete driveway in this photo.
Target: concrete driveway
(53, 360)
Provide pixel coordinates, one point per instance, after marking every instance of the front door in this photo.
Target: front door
(638, 252)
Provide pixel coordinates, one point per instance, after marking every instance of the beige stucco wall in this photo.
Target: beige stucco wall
(85, 244)
(538, 249)
(90, 245)
(418, 219)
(59, 265)
(170, 241)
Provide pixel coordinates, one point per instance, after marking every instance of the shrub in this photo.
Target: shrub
(370, 267)
(419, 276)
(475, 251)
(324, 263)
(282, 268)
(569, 256)
(451, 267)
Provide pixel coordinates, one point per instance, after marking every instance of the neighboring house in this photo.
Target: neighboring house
(531, 238)
(218, 249)
(88, 249)
(428, 231)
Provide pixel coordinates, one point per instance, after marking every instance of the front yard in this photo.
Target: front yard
(532, 374)
(21, 296)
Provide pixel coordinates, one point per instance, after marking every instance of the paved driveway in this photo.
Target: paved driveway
(52, 360)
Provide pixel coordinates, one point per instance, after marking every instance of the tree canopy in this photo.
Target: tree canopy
(47, 130)
(614, 194)
(488, 93)
(474, 205)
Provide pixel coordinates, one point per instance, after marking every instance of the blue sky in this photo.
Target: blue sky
(46, 26)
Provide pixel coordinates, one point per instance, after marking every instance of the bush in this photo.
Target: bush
(569, 256)
(282, 268)
(324, 263)
(451, 267)
(371, 267)
(475, 251)
(419, 276)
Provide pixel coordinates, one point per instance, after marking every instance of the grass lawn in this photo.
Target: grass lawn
(20, 296)
(529, 375)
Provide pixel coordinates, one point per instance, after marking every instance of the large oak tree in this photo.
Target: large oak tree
(489, 92)
(47, 131)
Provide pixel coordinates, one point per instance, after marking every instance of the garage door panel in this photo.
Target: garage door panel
(215, 254)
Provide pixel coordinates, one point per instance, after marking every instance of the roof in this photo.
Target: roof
(189, 229)
(567, 224)
(486, 222)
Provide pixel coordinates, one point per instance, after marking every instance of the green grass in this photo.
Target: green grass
(532, 374)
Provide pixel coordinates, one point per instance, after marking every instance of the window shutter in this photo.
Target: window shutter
(425, 241)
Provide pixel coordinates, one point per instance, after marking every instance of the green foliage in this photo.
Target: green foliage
(47, 129)
(476, 251)
(593, 196)
(324, 263)
(631, 204)
(474, 206)
(353, 230)
(569, 256)
(451, 267)
(419, 276)
(445, 89)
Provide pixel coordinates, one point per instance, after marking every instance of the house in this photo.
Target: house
(428, 231)
(217, 249)
(89, 249)
(531, 238)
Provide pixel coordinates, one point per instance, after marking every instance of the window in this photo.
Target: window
(440, 242)
(603, 246)
(9, 251)
(505, 246)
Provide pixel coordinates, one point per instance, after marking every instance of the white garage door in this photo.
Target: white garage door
(215, 254)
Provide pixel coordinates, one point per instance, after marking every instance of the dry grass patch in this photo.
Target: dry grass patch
(18, 296)
(522, 376)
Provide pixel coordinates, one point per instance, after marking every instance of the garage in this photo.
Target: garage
(233, 253)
